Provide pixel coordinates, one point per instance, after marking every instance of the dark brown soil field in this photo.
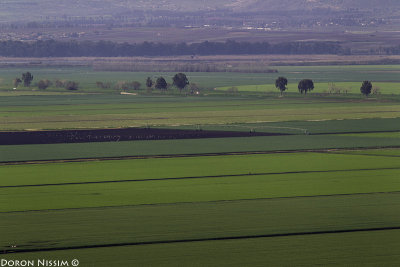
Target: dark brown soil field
(113, 135)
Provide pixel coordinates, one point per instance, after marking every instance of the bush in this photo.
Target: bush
(103, 85)
(43, 84)
(60, 83)
(71, 85)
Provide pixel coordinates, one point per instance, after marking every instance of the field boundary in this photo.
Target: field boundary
(203, 202)
(203, 239)
(326, 150)
(196, 177)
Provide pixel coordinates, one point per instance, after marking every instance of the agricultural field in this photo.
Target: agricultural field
(349, 76)
(313, 180)
(343, 87)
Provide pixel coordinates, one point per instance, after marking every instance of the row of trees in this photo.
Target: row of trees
(179, 80)
(307, 85)
(52, 48)
(27, 78)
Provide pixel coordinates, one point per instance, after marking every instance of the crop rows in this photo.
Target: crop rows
(128, 205)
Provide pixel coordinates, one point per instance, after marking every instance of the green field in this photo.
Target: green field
(345, 87)
(241, 196)
(99, 111)
(325, 250)
(325, 193)
(188, 147)
(320, 74)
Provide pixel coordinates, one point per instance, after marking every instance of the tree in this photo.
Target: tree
(180, 81)
(60, 83)
(103, 85)
(149, 82)
(161, 84)
(366, 88)
(43, 84)
(121, 85)
(376, 90)
(136, 85)
(27, 78)
(281, 84)
(71, 85)
(16, 82)
(305, 86)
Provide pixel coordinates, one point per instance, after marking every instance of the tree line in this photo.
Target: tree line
(179, 80)
(307, 85)
(53, 48)
(27, 78)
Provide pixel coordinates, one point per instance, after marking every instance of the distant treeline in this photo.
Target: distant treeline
(395, 50)
(52, 48)
(157, 66)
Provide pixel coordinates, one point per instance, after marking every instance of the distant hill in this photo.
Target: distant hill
(388, 5)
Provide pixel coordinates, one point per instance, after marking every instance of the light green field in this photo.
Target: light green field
(382, 135)
(345, 87)
(395, 152)
(321, 74)
(98, 111)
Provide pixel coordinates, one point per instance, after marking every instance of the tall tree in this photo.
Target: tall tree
(281, 84)
(366, 88)
(305, 86)
(149, 82)
(27, 78)
(161, 84)
(180, 80)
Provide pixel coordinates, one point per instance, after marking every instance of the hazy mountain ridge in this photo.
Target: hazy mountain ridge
(38, 8)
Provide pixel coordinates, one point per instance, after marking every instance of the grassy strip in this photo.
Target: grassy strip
(395, 152)
(321, 87)
(382, 135)
(312, 127)
(117, 170)
(231, 115)
(98, 226)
